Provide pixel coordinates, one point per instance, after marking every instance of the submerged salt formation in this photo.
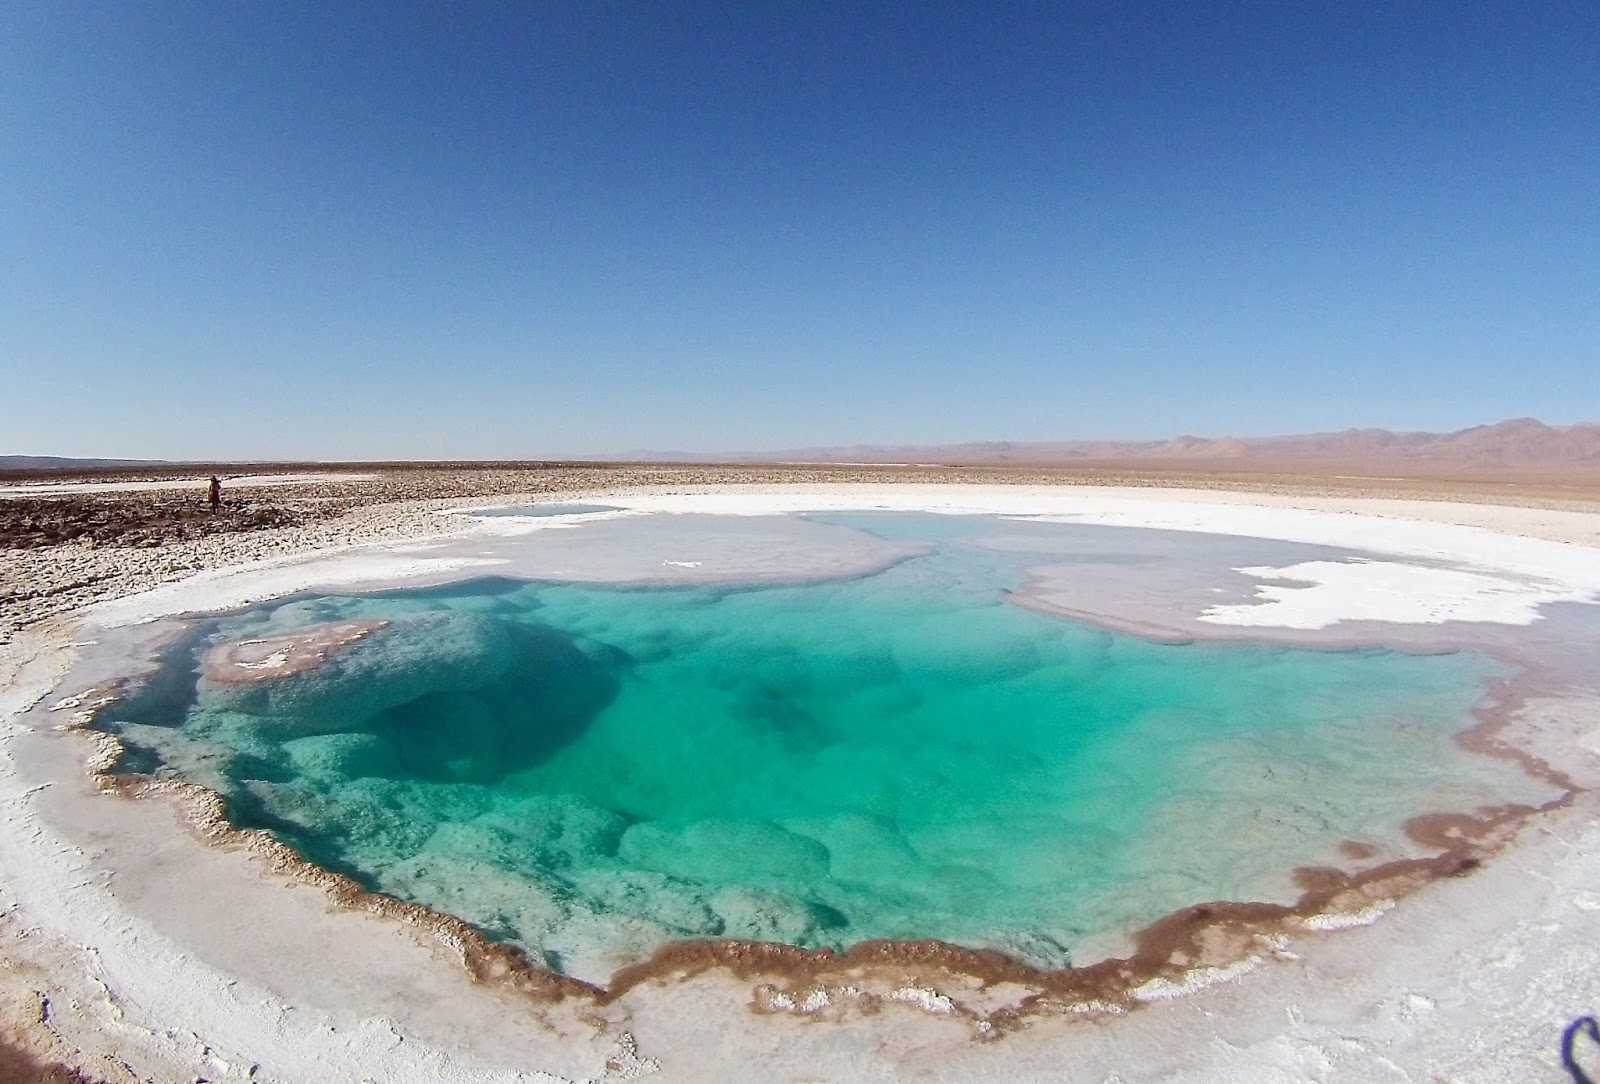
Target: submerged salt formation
(268, 658)
(594, 772)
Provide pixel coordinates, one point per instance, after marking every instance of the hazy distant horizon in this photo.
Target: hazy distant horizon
(365, 231)
(1498, 439)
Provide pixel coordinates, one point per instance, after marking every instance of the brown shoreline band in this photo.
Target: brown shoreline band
(1211, 935)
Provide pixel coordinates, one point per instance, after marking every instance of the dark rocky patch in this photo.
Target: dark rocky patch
(32, 522)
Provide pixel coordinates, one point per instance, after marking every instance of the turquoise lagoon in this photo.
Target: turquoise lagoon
(594, 771)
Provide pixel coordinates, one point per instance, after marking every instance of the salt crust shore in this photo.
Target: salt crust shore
(1501, 562)
(1466, 979)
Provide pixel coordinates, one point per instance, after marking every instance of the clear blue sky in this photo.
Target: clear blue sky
(394, 230)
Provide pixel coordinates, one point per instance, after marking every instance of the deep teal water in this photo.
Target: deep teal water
(592, 772)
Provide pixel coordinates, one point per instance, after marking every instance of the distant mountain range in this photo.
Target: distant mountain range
(57, 463)
(1522, 442)
(1519, 444)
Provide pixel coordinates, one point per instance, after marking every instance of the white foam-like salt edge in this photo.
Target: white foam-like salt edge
(1333, 921)
(929, 1001)
(1499, 578)
(1490, 577)
(57, 886)
(241, 585)
(815, 1001)
(1201, 978)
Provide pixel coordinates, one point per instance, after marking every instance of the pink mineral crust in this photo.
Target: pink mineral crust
(244, 662)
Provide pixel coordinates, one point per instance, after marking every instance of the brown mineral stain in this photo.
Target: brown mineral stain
(248, 662)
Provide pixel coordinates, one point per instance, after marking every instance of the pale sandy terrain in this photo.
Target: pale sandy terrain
(136, 951)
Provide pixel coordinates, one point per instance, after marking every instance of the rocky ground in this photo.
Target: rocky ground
(60, 550)
(34, 522)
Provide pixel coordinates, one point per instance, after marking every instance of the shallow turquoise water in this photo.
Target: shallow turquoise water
(594, 771)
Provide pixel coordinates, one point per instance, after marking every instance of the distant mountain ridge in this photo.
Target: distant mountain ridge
(1520, 442)
(61, 462)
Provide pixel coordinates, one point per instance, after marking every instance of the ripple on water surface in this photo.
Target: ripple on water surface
(593, 772)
